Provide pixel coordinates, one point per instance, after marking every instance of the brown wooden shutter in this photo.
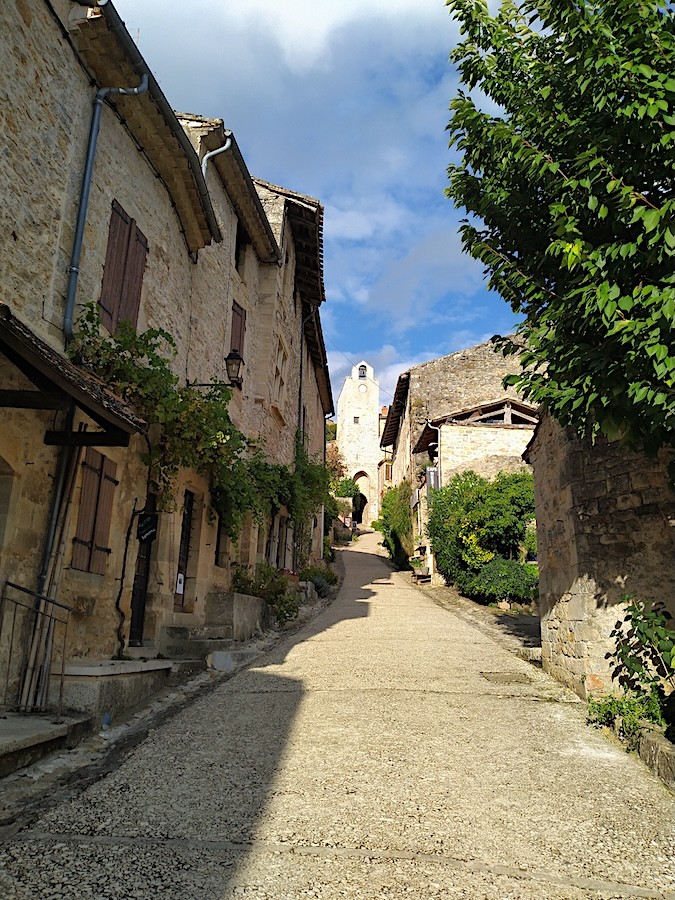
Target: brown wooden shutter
(86, 517)
(100, 549)
(238, 328)
(115, 262)
(130, 299)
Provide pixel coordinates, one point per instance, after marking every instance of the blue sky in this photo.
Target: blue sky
(346, 101)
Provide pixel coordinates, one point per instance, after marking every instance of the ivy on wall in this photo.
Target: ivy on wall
(191, 428)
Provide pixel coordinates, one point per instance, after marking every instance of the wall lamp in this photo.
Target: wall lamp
(233, 365)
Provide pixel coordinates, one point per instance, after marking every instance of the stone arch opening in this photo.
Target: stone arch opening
(360, 503)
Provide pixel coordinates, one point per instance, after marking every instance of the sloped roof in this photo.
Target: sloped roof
(110, 55)
(26, 350)
(237, 181)
(459, 417)
(396, 409)
(305, 215)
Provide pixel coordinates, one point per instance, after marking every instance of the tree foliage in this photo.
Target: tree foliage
(477, 529)
(395, 523)
(568, 176)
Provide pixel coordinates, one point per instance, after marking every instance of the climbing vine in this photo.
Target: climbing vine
(191, 429)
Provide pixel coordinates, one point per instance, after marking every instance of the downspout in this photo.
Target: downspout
(437, 429)
(74, 267)
(207, 156)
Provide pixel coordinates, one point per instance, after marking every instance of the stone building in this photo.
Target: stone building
(133, 222)
(605, 528)
(453, 414)
(358, 431)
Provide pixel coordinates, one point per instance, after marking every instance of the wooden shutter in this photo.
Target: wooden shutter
(115, 262)
(86, 517)
(130, 299)
(238, 328)
(100, 550)
(90, 550)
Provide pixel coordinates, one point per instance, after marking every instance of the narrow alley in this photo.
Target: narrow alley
(388, 749)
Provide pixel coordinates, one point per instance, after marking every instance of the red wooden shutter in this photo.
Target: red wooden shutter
(100, 549)
(86, 517)
(115, 261)
(130, 299)
(238, 328)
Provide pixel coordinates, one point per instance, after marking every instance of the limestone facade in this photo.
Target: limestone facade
(605, 528)
(453, 414)
(358, 430)
(216, 246)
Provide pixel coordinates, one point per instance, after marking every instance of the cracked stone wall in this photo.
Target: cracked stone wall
(606, 527)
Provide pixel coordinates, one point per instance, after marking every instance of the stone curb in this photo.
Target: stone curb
(658, 753)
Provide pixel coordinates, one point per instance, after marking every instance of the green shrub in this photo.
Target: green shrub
(629, 712)
(270, 585)
(328, 552)
(502, 579)
(309, 573)
(395, 523)
(286, 607)
(477, 526)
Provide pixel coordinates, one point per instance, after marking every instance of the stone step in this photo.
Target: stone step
(193, 649)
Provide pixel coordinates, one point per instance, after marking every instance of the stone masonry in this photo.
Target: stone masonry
(606, 527)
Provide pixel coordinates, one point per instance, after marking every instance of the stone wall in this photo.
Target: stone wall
(606, 527)
(486, 449)
(45, 121)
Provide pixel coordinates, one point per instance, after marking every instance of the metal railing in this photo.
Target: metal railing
(29, 626)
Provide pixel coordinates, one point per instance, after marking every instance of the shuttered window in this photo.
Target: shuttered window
(92, 536)
(123, 272)
(238, 328)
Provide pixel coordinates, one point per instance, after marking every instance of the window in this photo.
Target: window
(387, 472)
(356, 420)
(362, 371)
(123, 272)
(238, 328)
(90, 544)
(241, 242)
(280, 372)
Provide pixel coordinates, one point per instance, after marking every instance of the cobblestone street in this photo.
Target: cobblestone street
(387, 749)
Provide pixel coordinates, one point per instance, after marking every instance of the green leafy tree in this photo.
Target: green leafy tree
(568, 176)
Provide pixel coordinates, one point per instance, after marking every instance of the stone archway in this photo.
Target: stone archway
(361, 502)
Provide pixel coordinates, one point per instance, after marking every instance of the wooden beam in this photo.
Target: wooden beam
(33, 400)
(111, 438)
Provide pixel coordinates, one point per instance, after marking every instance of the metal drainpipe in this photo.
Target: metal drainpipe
(60, 477)
(207, 156)
(74, 267)
(437, 429)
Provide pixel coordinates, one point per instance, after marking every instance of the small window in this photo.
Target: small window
(238, 328)
(242, 241)
(280, 373)
(362, 371)
(125, 260)
(90, 544)
(356, 420)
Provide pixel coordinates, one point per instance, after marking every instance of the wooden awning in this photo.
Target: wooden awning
(57, 384)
